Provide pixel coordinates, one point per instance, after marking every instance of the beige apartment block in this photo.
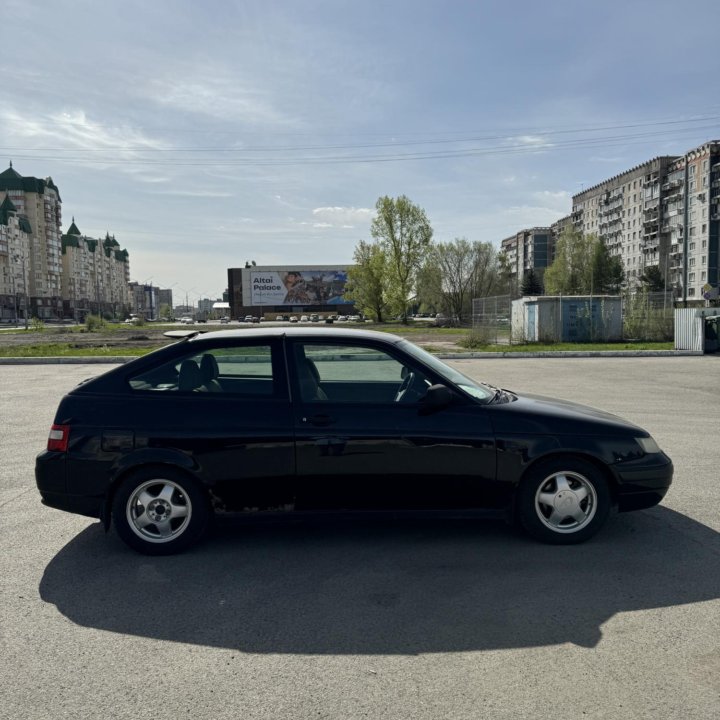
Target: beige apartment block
(690, 218)
(624, 212)
(647, 217)
(38, 202)
(14, 262)
(95, 275)
(530, 249)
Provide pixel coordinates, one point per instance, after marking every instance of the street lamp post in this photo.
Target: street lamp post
(21, 258)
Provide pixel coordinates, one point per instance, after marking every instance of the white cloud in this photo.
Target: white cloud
(80, 140)
(217, 93)
(343, 217)
(193, 193)
(601, 159)
(560, 201)
(532, 141)
(525, 216)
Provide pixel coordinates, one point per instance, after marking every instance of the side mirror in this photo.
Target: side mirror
(436, 398)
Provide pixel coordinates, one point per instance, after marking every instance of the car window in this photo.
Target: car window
(237, 370)
(353, 373)
(479, 391)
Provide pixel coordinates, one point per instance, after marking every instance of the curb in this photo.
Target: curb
(74, 360)
(561, 354)
(570, 354)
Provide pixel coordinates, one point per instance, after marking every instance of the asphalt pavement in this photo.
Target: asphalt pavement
(375, 619)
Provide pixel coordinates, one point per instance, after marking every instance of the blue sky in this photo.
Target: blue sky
(205, 135)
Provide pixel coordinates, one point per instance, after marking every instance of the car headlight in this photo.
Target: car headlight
(648, 445)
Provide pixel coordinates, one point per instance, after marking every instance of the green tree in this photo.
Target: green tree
(484, 279)
(570, 273)
(652, 279)
(455, 263)
(506, 284)
(607, 273)
(531, 285)
(583, 265)
(403, 232)
(94, 323)
(366, 282)
(429, 287)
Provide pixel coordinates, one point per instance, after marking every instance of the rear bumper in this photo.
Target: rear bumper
(78, 504)
(646, 484)
(51, 480)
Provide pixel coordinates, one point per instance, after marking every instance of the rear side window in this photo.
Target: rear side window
(236, 370)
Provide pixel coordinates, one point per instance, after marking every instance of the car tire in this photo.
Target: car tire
(160, 511)
(563, 501)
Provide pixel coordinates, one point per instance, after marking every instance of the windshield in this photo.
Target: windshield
(478, 390)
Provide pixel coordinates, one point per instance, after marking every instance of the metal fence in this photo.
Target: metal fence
(492, 319)
(551, 319)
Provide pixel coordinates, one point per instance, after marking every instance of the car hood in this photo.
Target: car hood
(537, 414)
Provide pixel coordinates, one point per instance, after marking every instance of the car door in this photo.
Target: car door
(363, 440)
(224, 409)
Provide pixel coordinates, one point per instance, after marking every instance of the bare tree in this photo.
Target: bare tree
(468, 270)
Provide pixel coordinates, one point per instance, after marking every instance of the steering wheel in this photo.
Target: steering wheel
(404, 392)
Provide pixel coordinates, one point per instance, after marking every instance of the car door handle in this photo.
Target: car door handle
(320, 420)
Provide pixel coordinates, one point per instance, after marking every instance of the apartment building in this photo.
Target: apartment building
(690, 218)
(531, 249)
(144, 300)
(95, 275)
(14, 262)
(663, 213)
(165, 297)
(38, 202)
(624, 212)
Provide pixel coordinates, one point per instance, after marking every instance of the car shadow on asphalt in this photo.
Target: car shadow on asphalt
(384, 586)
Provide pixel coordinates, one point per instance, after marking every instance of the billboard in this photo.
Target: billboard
(297, 287)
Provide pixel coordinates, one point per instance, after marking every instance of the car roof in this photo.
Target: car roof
(304, 332)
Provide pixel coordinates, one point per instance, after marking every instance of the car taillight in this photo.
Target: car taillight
(58, 438)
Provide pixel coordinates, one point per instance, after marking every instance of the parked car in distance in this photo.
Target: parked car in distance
(304, 318)
(248, 318)
(224, 320)
(442, 320)
(293, 318)
(187, 320)
(314, 419)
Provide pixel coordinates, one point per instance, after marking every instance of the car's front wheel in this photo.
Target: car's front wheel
(563, 501)
(160, 511)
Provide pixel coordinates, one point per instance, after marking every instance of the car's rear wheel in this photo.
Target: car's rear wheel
(563, 501)
(160, 511)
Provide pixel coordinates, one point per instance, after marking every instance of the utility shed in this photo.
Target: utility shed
(567, 318)
(697, 329)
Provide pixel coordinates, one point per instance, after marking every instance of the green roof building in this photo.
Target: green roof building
(95, 275)
(38, 209)
(14, 261)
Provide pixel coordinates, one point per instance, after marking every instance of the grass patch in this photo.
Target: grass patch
(68, 350)
(566, 347)
(413, 329)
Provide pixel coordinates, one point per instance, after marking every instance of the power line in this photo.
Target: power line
(504, 149)
(141, 147)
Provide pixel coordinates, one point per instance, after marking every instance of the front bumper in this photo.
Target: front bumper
(643, 484)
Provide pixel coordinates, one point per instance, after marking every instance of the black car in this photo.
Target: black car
(304, 420)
